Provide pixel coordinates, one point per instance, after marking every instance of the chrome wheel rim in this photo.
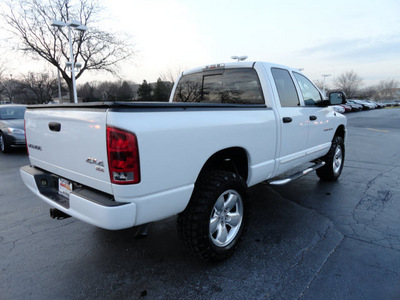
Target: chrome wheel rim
(337, 160)
(226, 218)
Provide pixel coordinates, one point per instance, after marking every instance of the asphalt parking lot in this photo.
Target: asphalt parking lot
(308, 239)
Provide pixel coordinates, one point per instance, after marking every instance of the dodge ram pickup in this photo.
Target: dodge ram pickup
(226, 127)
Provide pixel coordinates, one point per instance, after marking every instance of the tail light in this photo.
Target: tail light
(123, 156)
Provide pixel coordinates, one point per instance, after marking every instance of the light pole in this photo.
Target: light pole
(59, 86)
(239, 58)
(10, 87)
(323, 84)
(77, 26)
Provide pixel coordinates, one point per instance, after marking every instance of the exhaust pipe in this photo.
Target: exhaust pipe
(58, 214)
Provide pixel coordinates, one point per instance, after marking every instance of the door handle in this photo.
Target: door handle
(54, 126)
(313, 118)
(287, 119)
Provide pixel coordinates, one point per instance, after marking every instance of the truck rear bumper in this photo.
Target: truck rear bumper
(88, 205)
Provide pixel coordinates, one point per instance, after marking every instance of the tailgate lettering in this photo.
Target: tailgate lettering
(36, 147)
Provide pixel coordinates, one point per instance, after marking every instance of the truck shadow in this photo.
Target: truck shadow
(280, 236)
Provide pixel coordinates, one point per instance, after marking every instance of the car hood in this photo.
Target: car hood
(14, 123)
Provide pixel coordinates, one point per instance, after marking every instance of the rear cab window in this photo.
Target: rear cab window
(233, 86)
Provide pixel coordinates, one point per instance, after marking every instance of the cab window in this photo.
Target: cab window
(286, 89)
(239, 86)
(189, 88)
(310, 93)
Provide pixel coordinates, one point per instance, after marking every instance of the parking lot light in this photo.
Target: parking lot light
(240, 58)
(76, 25)
(323, 84)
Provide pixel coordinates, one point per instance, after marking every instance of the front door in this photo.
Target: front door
(319, 129)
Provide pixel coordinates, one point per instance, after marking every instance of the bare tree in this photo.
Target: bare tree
(87, 92)
(320, 84)
(41, 86)
(2, 79)
(369, 92)
(106, 91)
(125, 91)
(2, 69)
(10, 89)
(172, 74)
(387, 89)
(349, 82)
(29, 21)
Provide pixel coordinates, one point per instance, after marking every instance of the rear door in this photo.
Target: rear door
(293, 121)
(71, 143)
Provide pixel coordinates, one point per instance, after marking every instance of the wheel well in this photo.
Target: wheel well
(340, 131)
(230, 159)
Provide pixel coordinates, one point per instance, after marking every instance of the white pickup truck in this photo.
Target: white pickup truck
(227, 127)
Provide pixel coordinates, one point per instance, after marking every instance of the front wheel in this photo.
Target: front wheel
(216, 216)
(334, 161)
(4, 147)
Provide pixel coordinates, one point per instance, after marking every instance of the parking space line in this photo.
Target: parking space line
(378, 130)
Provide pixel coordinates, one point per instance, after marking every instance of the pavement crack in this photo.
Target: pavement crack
(391, 247)
(369, 208)
(379, 267)
(301, 204)
(367, 162)
(311, 246)
(31, 233)
(307, 286)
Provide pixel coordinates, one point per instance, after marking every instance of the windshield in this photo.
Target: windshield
(11, 113)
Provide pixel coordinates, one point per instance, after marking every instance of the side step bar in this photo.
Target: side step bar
(297, 175)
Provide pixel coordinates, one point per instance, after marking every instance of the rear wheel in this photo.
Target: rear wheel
(214, 221)
(334, 161)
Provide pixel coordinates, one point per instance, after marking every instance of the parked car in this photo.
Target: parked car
(392, 104)
(366, 105)
(373, 103)
(339, 109)
(377, 104)
(12, 134)
(347, 108)
(354, 106)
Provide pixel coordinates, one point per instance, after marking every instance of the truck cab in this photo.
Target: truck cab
(304, 120)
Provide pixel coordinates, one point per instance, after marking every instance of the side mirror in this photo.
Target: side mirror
(336, 98)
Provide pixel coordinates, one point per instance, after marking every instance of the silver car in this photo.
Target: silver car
(12, 134)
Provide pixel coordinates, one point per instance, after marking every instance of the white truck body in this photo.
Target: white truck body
(175, 143)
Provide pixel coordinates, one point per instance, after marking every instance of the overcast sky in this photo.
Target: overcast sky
(322, 37)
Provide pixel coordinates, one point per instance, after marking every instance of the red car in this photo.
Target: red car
(347, 108)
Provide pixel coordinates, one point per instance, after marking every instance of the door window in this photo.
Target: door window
(286, 89)
(310, 93)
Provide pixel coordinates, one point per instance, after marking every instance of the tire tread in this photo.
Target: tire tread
(193, 222)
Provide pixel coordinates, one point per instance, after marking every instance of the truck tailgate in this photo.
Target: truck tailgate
(70, 143)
